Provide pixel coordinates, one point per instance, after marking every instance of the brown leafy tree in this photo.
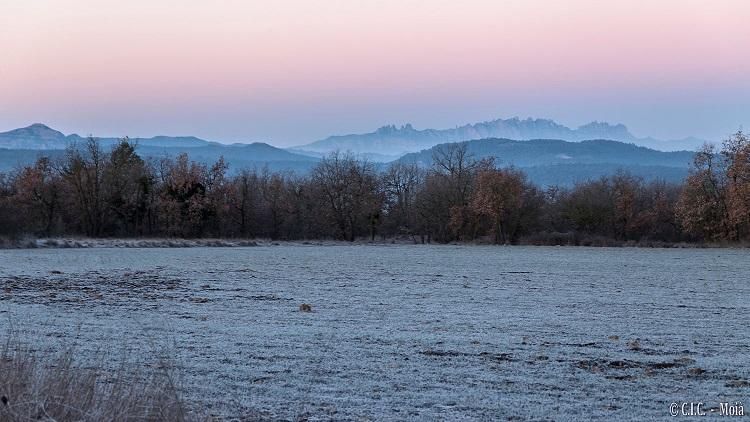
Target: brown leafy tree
(349, 190)
(185, 205)
(703, 207)
(507, 201)
(37, 190)
(443, 204)
(590, 208)
(736, 152)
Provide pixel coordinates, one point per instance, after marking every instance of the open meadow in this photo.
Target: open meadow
(401, 332)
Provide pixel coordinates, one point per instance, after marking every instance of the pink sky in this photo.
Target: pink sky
(290, 72)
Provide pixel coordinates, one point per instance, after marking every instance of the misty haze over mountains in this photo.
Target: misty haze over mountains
(548, 152)
(388, 141)
(395, 141)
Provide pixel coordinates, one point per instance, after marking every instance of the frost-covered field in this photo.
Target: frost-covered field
(406, 332)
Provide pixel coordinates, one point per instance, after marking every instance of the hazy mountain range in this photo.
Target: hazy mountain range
(392, 141)
(40, 136)
(546, 160)
(24, 145)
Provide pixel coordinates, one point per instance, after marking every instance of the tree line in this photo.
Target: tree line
(117, 193)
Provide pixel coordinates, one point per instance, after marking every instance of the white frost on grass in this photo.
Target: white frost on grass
(137, 243)
(408, 332)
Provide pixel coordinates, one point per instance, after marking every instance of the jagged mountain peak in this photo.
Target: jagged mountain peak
(393, 129)
(394, 140)
(604, 130)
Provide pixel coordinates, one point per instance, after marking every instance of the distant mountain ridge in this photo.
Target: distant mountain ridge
(22, 146)
(554, 151)
(392, 140)
(41, 136)
(557, 162)
(36, 136)
(546, 161)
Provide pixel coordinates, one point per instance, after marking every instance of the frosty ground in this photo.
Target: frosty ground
(404, 332)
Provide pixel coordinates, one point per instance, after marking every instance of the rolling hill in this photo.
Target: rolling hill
(556, 162)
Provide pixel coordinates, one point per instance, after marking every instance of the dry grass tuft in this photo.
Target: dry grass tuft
(58, 388)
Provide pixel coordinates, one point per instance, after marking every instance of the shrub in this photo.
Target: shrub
(58, 387)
